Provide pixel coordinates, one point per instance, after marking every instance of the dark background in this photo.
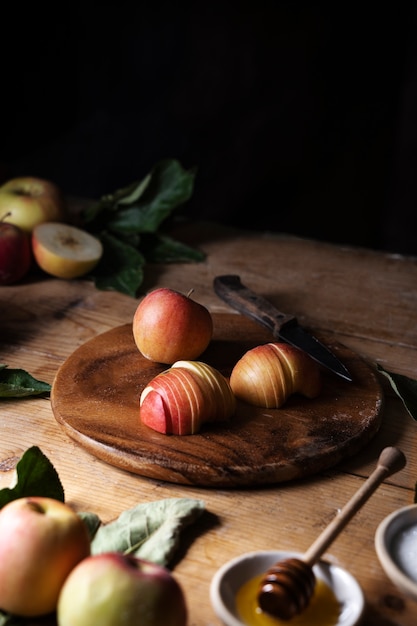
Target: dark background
(300, 117)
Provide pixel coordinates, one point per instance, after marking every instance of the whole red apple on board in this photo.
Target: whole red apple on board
(29, 201)
(15, 253)
(41, 541)
(169, 326)
(111, 589)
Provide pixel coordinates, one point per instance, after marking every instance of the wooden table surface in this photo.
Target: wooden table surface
(366, 299)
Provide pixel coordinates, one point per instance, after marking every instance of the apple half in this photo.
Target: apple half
(65, 251)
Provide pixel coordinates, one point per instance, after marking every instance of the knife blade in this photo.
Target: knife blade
(283, 326)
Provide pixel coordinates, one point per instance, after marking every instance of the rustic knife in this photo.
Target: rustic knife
(283, 326)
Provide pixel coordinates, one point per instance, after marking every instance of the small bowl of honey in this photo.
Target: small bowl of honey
(337, 599)
(396, 547)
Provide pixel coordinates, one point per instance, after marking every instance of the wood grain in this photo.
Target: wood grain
(95, 397)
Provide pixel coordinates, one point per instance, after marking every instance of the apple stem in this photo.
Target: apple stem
(5, 215)
(190, 292)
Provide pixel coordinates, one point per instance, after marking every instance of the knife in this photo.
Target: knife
(283, 326)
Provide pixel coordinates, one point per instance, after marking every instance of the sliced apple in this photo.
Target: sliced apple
(65, 251)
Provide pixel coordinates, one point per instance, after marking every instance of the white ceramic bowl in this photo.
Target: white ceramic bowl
(231, 576)
(396, 560)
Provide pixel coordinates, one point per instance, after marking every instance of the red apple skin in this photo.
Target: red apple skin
(29, 200)
(41, 541)
(169, 326)
(111, 589)
(15, 253)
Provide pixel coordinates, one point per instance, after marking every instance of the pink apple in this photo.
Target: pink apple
(169, 326)
(179, 400)
(269, 374)
(29, 201)
(111, 589)
(15, 253)
(41, 541)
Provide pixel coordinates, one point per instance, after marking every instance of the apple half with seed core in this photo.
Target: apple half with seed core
(65, 251)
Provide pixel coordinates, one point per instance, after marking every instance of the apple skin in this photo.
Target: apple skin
(179, 400)
(169, 326)
(41, 541)
(29, 201)
(111, 589)
(269, 374)
(15, 253)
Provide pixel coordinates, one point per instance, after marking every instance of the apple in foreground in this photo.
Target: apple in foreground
(65, 251)
(169, 326)
(29, 201)
(111, 589)
(41, 541)
(15, 253)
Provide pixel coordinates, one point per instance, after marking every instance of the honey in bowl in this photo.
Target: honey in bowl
(322, 610)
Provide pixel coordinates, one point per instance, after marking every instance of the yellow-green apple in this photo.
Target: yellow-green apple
(267, 375)
(41, 541)
(29, 201)
(179, 400)
(169, 326)
(15, 253)
(111, 589)
(65, 251)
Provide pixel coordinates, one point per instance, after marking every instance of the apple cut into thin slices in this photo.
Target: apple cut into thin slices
(65, 251)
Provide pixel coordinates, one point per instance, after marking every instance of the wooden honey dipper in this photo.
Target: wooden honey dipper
(287, 587)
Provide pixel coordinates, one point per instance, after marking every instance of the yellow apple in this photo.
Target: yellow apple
(41, 541)
(28, 201)
(112, 589)
(65, 251)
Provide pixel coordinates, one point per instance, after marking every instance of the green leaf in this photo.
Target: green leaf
(405, 388)
(169, 187)
(36, 476)
(160, 248)
(16, 383)
(120, 268)
(150, 531)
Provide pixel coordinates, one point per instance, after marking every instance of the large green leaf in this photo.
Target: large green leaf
(17, 383)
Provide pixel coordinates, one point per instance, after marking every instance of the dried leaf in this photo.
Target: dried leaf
(150, 531)
(405, 388)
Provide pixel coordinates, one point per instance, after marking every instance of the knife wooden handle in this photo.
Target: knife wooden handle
(230, 289)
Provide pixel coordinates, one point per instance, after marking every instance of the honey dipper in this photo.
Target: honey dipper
(287, 587)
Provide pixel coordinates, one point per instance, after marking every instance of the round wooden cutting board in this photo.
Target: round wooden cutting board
(95, 397)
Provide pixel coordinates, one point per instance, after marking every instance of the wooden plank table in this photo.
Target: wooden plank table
(367, 300)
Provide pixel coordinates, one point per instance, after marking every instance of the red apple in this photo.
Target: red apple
(169, 326)
(29, 201)
(41, 541)
(15, 253)
(111, 589)
(179, 400)
(267, 375)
